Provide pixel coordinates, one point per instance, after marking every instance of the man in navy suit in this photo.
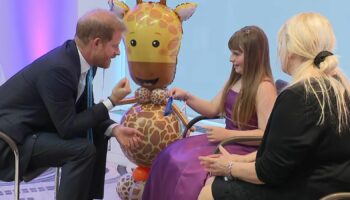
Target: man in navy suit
(44, 109)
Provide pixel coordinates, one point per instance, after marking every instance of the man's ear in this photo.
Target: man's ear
(96, 41)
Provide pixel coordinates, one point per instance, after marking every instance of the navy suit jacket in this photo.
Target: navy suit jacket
(42, 98)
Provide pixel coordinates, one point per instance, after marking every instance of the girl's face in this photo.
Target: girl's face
(237, 59)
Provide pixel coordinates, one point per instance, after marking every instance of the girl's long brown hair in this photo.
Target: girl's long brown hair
(252, 41)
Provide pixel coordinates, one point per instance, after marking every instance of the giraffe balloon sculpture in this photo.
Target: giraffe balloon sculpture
(152, 44)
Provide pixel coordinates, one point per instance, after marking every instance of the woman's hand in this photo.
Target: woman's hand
(216, 134)
(217, 164)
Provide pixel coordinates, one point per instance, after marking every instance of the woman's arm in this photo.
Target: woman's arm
(245, 172)
(250, 157)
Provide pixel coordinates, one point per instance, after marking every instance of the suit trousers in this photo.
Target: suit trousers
(83, 164)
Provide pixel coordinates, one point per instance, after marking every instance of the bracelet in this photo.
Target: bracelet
(111, 101)
(229, 168)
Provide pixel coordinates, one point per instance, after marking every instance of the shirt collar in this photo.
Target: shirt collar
(84, 65)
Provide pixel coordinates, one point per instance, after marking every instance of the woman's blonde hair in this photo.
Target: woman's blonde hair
(305, 36)
(252, 41)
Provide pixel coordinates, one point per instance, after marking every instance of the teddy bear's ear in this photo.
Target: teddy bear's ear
(185, 10)
(118, 7)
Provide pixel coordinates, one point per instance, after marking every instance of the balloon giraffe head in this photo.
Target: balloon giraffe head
(153, 39)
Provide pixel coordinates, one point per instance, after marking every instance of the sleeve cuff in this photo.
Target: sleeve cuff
(108, 131)
(108, 103)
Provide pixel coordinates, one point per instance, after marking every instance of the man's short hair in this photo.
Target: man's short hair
(98, 23)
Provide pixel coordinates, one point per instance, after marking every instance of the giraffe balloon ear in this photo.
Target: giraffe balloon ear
(118, 7)
(185, 10)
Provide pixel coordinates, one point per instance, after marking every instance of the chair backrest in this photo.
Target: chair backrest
(280, 85)
(9, 142)
(2, 75)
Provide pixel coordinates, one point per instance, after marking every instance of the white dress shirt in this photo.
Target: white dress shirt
(81, 86)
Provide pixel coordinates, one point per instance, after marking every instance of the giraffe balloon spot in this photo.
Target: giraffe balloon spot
(155, 14)
(173, 44)
(140, 16)
(168, 18)
(162, 24)
(172, 30)
(130, 18)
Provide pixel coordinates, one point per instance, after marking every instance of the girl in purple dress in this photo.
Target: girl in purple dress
(245, 101)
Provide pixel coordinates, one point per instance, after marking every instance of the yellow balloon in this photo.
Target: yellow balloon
(153, 40)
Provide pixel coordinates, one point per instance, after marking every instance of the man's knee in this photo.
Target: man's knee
(88, 150)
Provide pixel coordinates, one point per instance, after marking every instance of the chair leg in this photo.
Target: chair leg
(12, 144)
(17, 181)
(57, 181)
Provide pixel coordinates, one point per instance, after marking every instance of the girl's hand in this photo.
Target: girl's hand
(178, 94)
(215, 133)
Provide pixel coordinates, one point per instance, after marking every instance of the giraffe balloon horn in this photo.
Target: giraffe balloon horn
(184, 10)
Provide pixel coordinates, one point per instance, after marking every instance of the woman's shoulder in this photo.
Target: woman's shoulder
(297, 88)
(301, 94)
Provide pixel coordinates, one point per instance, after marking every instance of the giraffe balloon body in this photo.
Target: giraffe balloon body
(152, 45)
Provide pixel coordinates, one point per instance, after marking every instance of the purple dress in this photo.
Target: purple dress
(176, 172)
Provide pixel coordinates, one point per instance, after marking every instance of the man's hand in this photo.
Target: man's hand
(120, 91)
(128, 138)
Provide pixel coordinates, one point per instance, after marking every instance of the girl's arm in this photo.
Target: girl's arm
(203, 107)
(265, 99)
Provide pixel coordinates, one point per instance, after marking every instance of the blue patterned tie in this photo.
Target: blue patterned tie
(89, 100)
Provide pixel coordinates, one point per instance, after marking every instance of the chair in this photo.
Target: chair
(337, 196)
(193, 121)
(29, 176)
(2, 75)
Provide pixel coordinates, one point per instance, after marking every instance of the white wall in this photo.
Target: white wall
(204, 63)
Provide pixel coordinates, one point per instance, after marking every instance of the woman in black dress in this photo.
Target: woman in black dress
(305, 151)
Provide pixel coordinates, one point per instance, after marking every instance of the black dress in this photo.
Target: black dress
(297, 159)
